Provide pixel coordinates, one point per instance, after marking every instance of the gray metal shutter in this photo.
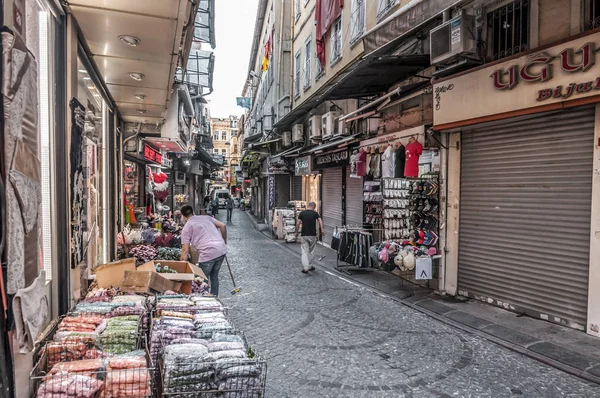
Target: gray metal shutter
(282, 190)
(525, 209)
(332, 201)
(297, 188)
(354, 201)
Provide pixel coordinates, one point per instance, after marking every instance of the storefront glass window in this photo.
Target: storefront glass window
(312, 186)
(39, 38)
(89, 96)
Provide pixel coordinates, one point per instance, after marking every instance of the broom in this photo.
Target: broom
(235, 288)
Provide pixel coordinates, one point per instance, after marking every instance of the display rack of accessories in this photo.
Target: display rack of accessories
(353, 249)
(284, 224)
(373, 208)
(410, 220)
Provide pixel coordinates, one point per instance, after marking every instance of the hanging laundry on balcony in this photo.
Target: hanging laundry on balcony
(326, 12)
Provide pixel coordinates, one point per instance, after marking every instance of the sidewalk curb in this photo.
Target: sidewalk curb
(458, 325)
(257, 226)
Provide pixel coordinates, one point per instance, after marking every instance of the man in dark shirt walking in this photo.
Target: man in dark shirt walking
(308, 220)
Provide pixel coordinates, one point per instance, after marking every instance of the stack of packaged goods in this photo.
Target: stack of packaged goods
(200, 352)
(120, 335)
(125, 375)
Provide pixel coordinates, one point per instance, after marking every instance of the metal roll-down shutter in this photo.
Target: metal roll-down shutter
(297, 188)
(354, 201)
(525, 208)
(331, 201)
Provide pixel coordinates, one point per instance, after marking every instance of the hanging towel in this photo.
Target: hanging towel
(31, 307)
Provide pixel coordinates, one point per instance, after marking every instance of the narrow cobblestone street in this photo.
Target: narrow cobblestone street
(325, 337)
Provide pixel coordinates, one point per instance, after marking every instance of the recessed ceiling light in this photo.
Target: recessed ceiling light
(83, 71)
(141, 111)
(87, 78)
(130, 40)
(91, 87)
(141, 97)
(136, 76)
(163, 146)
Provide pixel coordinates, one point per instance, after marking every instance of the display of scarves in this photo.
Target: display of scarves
(77, 185)
(19, 89)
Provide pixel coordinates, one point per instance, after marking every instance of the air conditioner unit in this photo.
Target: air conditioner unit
(297, 133)
(179, 178)
(314, 127)
(328, 126)
(286, 138)
(343, 128)
(453, 39)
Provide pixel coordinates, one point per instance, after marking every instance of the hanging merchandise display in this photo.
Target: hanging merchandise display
(414, 150)
(77, 198)
(23, 191)
(388, 159)
(400, 160)
(373, 204)
(284, 223)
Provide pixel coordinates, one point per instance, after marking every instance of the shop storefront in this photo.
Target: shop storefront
(521, 180)
(331, 165)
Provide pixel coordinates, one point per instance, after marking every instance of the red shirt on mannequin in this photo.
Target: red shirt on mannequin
(413, 150)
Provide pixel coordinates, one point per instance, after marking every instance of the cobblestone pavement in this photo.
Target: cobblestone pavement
(325, 337)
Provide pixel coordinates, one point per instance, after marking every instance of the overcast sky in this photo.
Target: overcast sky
(234, 31)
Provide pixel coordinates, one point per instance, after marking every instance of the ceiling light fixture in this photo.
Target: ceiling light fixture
(91, 87)
(136, 76)
(83, 71)
(141, 97)
(130, 40)
(87, 78)
(142, 111)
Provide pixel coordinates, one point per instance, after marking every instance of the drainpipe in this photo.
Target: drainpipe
(137, 133)
(279, 63)
(446, 15)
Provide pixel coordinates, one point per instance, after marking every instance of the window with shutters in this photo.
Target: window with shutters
(336, 41)
(319, 70)
(297, 75)
(591, 14)
(224, 135)
(357, 20)
(307, 61)
(508, 30)
(297, 11)
(383, 6)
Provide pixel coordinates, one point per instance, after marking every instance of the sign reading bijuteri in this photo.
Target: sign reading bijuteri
(546, 76)
(332, 159)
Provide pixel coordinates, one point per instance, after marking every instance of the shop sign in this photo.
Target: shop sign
(218, 159)
(303, 166)
(271, 192)
(332, 159)
(553, 75)
(152, 155)
(167, 162)
(278, 165)
(388, 138)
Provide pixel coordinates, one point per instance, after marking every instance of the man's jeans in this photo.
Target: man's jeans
(309, 243)
(211, 270)
(229, 212)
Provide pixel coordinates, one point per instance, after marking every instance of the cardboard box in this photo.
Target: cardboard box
(186, 272)
(148, 282)
(112, 274)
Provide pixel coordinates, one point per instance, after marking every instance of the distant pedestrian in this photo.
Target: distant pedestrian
(208, 237)
(229, 205)
(308, 221)
(214, 207)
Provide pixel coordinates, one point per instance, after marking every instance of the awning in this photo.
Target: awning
(263, 143)
(252, 138)
(205, 157)
(368, 77)
(375, 106)
(204, 25)
(278, 157)
(337, 143)
(409, 18)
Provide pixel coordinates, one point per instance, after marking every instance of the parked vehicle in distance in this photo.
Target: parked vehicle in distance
(221, 195)
(236, 202)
